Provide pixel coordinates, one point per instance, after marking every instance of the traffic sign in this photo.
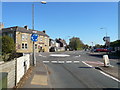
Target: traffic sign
(34, 37)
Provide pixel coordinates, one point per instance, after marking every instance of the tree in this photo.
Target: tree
(8, 47)
(99, 46)
(86, 46)
(75, 43)
(115, 43)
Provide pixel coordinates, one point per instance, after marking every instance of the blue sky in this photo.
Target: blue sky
(63, 19)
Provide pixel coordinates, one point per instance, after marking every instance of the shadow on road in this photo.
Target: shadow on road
(85, 67)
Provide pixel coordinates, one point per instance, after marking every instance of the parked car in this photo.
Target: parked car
(52, 49)
(102, 50)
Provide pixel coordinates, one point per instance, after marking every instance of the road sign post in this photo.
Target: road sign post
(34, 38)
(107, 41)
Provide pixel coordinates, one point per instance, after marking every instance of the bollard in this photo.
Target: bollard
(106, 60)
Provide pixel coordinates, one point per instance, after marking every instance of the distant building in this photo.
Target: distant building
(22, 39)
(57, 45)
(1, 25)
(52, 45)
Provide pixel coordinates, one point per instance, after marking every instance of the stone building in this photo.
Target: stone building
(22, 39)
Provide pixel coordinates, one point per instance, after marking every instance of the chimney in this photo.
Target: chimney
(44, 31)
(26, 27)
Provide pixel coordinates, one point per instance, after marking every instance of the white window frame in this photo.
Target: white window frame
(25, 46)
(36, 46)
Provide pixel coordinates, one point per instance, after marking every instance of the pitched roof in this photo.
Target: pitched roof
(23, 30)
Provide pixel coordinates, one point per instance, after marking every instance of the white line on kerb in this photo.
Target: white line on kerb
(87, 64)
(110, 76)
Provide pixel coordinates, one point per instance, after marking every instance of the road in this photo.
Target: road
(68, 70)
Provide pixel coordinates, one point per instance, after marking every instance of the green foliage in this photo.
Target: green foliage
(75, 43)
(115, 43)
(8, 45)
(86, 46)
(98, 46)
(8, 48)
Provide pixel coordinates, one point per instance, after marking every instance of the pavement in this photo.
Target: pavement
(36, 78)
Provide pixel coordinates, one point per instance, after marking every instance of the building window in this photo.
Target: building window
(35, 46)
(26, 46)
(24, 37)
(22, 45)
(40, 39)
(45, 40)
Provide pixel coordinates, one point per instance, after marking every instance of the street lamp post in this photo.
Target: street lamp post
(34, 60)
(105, 35)
(105, 30)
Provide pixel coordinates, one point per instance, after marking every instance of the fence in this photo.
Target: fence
(15, 69)
(23, 64)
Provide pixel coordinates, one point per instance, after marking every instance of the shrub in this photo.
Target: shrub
(8, 48)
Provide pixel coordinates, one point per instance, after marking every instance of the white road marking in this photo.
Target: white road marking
(76, 61)
(68, 61)
(94, 62)
(54, 61)
(110, 76)
(78, 56)
(111, 66)
(86, 64)
(61, 61)
(59, 55)
(45, 61)
(40, 55)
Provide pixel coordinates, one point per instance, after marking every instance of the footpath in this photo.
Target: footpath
(36, 77)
